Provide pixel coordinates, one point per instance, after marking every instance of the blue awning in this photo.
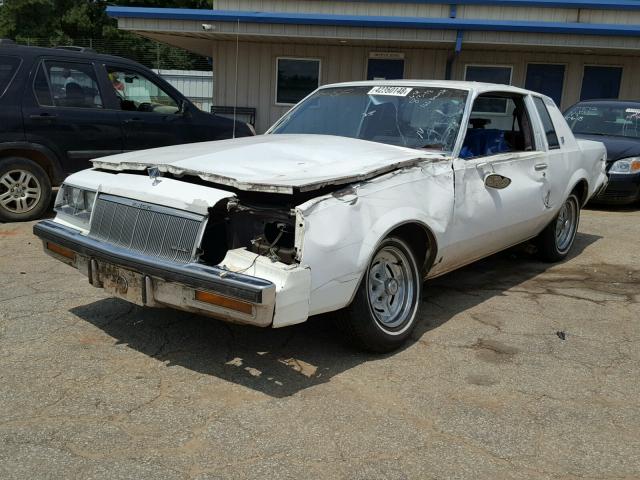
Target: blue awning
(367, 21)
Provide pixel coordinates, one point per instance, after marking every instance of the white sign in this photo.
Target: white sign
(387, 55)
(393, 91)
(632, 110)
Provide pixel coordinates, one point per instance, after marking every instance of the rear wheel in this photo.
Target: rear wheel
(25, 190)
(384, 310)
(555, 241)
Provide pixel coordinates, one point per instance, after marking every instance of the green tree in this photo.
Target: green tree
(66, 22)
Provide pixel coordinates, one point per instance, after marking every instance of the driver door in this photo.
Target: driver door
(500, 184)
(148, 114)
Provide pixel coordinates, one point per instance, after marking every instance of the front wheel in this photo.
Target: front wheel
(384, 310)
(555, 241)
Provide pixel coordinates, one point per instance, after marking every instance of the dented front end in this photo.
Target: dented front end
(192, 247)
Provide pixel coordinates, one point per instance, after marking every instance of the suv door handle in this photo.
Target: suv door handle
(132, 120)
(540, 166)
(43, 116)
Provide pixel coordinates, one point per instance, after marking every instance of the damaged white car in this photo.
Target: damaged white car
(350, 201)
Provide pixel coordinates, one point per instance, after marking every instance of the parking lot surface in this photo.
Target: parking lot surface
(517, 370)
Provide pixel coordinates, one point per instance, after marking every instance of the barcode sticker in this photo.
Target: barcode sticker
(632, 110)
(393, 91)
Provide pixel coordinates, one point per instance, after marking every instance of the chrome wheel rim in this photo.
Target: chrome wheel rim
(566, 225)
(20, 191)
(391, 288)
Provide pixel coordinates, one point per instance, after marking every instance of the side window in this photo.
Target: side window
(67, 84)
(549, 129)
(502, 130)
(138, 93)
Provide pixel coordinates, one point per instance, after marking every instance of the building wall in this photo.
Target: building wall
(433, 10)
(256, 82)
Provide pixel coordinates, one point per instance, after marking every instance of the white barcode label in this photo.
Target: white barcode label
(394, 91)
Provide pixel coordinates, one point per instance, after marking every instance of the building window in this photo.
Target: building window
(600, 82)
(489, 74)
(547, 79)
(297, 78)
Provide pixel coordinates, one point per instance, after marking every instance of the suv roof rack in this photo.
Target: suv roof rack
(75, 48)
(6, 41)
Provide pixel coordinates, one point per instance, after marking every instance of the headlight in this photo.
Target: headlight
(626, 165)
(75, 204)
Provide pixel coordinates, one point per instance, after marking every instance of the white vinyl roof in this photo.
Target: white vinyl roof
(477, 87)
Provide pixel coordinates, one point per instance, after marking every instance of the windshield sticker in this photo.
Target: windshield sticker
(632, 110)
(393, 91)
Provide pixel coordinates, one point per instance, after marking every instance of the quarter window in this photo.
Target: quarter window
(8, 68)
(549, 129)
(67, 84)
(138, 93)
(296, 78)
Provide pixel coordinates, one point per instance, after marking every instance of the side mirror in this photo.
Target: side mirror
(493, 180)
(184, 108)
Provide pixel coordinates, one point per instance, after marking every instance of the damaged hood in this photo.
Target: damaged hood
(273, 163)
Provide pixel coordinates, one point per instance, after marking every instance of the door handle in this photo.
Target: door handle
(540, 166)
(132, 120)
(43, 116)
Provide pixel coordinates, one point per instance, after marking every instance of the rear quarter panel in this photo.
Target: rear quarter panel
(585, 159)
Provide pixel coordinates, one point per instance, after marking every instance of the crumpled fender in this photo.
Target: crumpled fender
(343, 229)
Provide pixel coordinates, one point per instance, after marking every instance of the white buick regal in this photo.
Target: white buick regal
(350, 201)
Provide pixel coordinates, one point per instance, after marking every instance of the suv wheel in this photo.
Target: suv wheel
(25, 190)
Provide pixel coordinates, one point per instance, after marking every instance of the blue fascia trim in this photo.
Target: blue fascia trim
(366, 21)
(590, 4)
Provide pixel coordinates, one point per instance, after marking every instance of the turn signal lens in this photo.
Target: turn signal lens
(225, 302)
(60, 250)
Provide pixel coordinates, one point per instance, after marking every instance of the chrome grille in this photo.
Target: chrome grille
(145, 228)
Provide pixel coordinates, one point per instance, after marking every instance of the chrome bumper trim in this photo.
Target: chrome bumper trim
(224, 282)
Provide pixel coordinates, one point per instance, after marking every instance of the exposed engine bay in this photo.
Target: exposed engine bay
(264, 229)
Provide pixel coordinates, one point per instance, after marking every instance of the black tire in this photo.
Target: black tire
(553, 245)
(361, 321)
(31, 192)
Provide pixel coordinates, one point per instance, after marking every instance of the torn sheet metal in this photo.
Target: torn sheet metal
(342, 229)
(273, 163)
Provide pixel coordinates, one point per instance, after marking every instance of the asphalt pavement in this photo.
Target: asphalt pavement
(517, 370)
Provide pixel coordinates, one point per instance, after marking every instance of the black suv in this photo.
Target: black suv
(61, 107)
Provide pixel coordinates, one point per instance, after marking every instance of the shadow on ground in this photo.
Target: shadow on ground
(284, 361)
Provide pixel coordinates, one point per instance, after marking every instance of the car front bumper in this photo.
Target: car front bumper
(621, 189)
(214, 291)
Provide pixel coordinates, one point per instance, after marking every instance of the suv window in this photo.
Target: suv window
(138, 93)
(549, 129)
(67, 84)
(8, 68)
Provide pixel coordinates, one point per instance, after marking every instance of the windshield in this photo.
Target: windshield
(415, 117)
(595, 119)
